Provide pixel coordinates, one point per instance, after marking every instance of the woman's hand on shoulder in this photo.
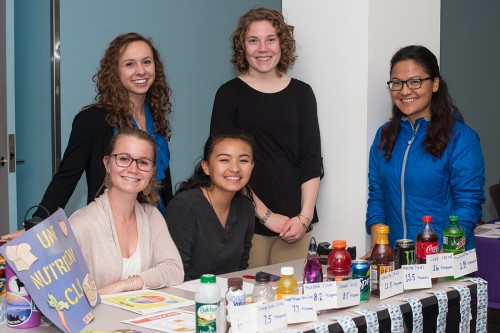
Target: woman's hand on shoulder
(276, 222)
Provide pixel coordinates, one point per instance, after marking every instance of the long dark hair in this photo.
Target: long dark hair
(199, 178)
(441, 123)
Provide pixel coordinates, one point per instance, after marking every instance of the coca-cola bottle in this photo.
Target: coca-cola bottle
(427, 242)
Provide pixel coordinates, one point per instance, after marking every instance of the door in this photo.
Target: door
(7, 161)
(33, 102)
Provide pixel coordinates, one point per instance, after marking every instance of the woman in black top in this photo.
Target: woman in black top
(132, 92)
(280, 112)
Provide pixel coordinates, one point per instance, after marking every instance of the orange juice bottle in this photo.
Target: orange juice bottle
(287, 285)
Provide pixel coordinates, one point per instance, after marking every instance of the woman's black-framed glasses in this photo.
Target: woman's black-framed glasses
(412, 84)
(125, 160)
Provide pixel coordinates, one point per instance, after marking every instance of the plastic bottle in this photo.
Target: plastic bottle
(453, 238)
(313, 270)
(287, 285)
(262, 290)
(382, 259)
(207, 298)
(339, 262)
(427, 242)
(235, 296)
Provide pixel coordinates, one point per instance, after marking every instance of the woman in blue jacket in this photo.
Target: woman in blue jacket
(425, 160)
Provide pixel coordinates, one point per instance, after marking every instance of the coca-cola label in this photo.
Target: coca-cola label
(425, 248)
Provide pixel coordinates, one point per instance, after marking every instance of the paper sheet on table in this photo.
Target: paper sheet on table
(487, 232)
(168, 321)
(145, 301)
(221, 283)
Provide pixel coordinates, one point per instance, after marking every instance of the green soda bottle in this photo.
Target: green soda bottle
(453, 238)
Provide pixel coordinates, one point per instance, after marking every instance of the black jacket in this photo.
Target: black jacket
(87, 145)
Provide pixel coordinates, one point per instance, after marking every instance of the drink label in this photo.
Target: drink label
(425, 248)
(244, 318)
(299, 309)
(465, 263)
(270, 316)
(416, 276)
(348, 293)
(206, 314)
(455, 244)
(324, 294)
(441, 264)
(391, 284)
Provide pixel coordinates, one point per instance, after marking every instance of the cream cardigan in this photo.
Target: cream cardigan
(94, 229)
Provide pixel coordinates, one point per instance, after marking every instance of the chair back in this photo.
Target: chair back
(495, 198)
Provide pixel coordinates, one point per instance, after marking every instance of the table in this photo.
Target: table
(107, 318)
(488, 263)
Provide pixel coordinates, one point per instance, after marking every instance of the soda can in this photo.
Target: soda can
(361, 270)
(404, 253)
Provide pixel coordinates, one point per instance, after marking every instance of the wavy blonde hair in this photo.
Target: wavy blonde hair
(112, 96)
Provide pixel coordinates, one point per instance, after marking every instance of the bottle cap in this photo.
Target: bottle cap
(234, 282)
(287, 270)
(427, 218)
(207, 278)
(312, 245)
(262, 277)
(453, 218)
(382, 229)
(339, 244)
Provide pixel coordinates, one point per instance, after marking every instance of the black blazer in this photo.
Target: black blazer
(87, 145)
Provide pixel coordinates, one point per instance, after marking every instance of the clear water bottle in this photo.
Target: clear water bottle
(262, 290)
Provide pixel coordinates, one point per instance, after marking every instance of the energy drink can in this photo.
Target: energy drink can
(361, 270)
(404, 253)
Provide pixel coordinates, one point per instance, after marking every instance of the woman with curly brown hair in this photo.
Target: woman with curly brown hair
(132, 92)
(280, 112)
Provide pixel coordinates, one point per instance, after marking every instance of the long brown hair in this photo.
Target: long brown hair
(112, 96)
(441, 123)
(283, 30)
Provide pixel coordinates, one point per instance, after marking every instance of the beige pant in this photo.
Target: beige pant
(269, 250)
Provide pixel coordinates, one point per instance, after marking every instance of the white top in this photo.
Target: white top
(132, 265)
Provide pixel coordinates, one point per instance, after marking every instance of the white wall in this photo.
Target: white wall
(344, 49)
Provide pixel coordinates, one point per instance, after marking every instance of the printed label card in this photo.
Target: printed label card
(465, 263)
(244, 318)
(324, 294)
(299, 309)
(391, 283)
(348, 293)
(416, 276)
(271, 316)
(441, 264)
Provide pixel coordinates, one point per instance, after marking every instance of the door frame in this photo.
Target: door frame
(8, 199)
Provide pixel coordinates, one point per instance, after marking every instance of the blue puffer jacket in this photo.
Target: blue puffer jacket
(413, 183)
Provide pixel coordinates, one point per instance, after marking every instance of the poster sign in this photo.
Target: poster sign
(50, 266)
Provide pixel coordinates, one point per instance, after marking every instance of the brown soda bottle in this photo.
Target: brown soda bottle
(382, 259)
(427, 242)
